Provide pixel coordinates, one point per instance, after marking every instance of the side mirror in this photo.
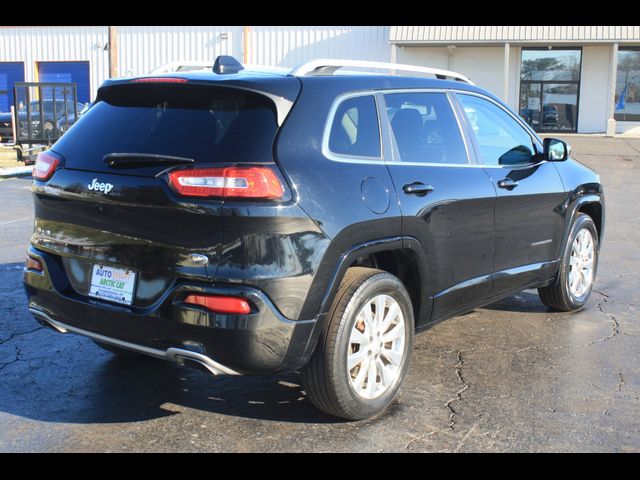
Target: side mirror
(556, 150)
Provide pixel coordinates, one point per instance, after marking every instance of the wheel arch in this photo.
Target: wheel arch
(591, 204)
(594, 210)
(402, 256)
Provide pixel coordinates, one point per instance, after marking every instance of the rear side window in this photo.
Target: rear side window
(355, 130)
(425, 128)
(207, 124)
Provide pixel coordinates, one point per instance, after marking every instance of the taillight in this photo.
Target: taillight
(160, 80)
(220, 304)
(229, 182)
(46, 164)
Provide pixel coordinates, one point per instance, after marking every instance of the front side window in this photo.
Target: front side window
(425, 128)
(501, 140)
(627, 101)
(355, 130)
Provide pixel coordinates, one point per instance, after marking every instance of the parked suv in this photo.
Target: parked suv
(252, 223)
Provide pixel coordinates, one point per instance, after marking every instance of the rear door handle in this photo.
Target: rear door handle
(507, 183)
(417, 188)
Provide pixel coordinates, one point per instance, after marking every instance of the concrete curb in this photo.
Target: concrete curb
(15, 172)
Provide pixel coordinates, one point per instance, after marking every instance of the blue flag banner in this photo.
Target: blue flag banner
(623, 95)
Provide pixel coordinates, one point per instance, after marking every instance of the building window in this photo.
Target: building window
(627, 103)
(549, 87)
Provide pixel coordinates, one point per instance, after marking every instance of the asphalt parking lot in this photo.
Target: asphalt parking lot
(509, 377)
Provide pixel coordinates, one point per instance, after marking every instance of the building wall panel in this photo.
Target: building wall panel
(292, 45)
(36, 44)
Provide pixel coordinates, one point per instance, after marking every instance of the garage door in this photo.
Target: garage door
(74, 72)
(10, 73)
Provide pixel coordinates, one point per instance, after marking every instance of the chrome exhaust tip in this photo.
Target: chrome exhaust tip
(180, 356)
(46, 323)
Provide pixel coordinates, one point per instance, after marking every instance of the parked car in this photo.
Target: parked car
(182, 66)
(253, 223)
(550, 117)
(199, 65)
(53, 125)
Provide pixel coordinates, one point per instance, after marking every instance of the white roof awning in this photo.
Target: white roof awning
(416, 35)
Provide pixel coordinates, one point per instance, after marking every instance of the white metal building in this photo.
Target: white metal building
(81, 54)
(569, 79)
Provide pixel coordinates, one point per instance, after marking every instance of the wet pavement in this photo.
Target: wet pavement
(512, 376)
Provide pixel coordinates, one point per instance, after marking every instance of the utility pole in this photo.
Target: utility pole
(113, 52)
(245, 44)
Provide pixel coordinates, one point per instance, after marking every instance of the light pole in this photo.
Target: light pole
(113, 52)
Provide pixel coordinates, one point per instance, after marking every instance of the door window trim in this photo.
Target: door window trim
(339, 157)
(388, 148)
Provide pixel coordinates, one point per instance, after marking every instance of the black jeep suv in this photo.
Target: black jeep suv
(252, 223)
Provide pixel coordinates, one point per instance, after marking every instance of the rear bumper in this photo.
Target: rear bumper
(260, 342)
(177, 355)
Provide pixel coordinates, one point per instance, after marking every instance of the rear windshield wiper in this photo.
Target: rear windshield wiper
(131, 160)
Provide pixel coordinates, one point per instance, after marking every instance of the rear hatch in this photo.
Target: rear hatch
(110, 204)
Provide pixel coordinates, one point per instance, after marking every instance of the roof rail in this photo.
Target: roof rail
(329, 66)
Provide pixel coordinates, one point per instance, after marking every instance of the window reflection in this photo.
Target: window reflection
(549, 86)
(548, 65)
(627, 100)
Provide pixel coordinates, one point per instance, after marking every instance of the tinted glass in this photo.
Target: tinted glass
(425, 128)
(502, 141)
(355, 130)
(550, 65)
(627, 102)
(208, 124)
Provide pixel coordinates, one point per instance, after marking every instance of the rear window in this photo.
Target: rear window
(207, 124)
(355, 131)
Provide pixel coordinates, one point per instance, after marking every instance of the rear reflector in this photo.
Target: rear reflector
(218, 304)
(34, 264)
(160, 80)
(46, 164)
(229, 182)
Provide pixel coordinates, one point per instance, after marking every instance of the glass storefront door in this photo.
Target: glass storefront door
(549, 86)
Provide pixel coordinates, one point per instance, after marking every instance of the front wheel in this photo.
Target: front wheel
(361, 359)
(578, 265)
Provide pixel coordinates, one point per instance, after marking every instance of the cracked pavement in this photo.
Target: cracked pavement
(512, 376)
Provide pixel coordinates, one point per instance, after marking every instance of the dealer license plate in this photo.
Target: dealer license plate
(112, 284)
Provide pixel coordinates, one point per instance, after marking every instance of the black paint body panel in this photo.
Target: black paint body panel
(471, 242)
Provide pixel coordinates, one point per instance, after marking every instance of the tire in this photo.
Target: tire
(120, 352)
(328, 382)
(560, 295)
